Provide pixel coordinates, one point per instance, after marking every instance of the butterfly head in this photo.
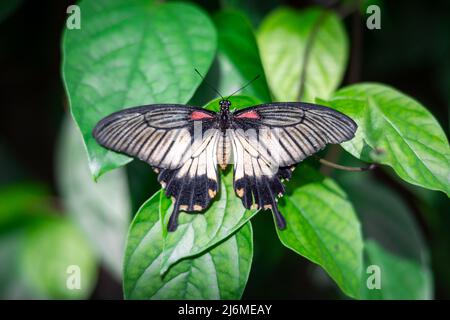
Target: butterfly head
(225, 105)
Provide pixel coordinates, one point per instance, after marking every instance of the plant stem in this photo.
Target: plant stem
(346, 168)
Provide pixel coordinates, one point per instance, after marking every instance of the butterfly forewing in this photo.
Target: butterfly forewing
(161, 135)
(299, 129)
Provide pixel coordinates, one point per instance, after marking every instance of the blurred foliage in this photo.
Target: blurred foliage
(8, 7)
(141, 52)
(37, 247)
(101, 209)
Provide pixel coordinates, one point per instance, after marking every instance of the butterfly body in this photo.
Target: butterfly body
(225, 115)
(186, 145)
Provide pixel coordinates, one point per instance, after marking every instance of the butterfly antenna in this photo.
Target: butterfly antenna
(215, 90)
(245, 86)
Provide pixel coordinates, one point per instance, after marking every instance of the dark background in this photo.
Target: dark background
(411, 52)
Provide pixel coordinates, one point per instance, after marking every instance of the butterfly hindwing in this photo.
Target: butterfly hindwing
(257, 180)
(270, 139)
(195, 183)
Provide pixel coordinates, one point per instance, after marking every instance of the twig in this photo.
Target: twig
(346, 168)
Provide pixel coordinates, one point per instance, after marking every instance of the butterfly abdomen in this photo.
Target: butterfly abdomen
(224, 150)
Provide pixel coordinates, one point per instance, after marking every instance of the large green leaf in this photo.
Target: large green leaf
(220, 273)
(102, 209)
(283, 38)
(128, 53)
(322, 226)
(400, 278)
(238, 56)
(408, 136)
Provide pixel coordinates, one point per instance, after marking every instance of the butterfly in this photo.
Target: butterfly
(186, 145)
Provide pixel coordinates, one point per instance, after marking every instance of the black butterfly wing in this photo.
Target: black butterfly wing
(270, 139)
(178, 141)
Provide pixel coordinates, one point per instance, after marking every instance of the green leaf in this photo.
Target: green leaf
(102, 209)
(322, 226)
(406, 133)
(50, 247)
(12, 285)
(400, 278)
(197, 233)
(220, 273)
(130, 53)
(395, 239)
(238, 56)
(21, 203)
(283, 38)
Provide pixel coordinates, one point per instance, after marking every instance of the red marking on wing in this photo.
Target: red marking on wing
(199, 115)
(249, 115)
